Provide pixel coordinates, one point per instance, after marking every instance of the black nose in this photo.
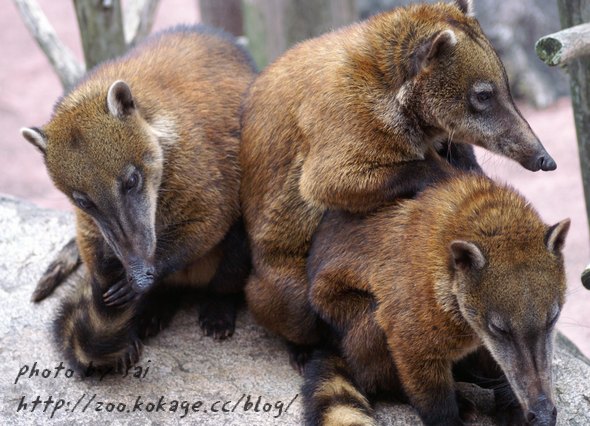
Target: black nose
(142, 278)
(546, 163)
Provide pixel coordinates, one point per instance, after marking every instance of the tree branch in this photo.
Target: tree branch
(66, 66)
(138, 17)
(563, 46)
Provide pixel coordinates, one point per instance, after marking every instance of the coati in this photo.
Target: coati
(348, 121)
(146, 148)
(466, 269)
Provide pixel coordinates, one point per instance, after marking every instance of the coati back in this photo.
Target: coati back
(146, 147)
(349, 120)
(418, 285)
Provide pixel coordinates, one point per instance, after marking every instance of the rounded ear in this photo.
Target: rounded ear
(555, 237)
(36, 137)
(465, 6)
(435, 47)
(119, 99)
(466, 256)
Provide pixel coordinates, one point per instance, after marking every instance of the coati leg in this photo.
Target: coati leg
(481, 369)
(278, 300)
(428, 383)
(330, 396)
(90, 333)
(217, 313)
(348, 308)
(66, 262)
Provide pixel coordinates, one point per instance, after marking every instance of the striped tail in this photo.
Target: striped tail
(91, 334)
(330, 397)
(66, 262)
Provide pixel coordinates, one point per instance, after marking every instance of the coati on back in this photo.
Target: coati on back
(146, 148)
(467, 267)
(348, 121)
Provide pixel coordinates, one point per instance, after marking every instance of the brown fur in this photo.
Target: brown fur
(348, 121)
(416, 286)
(181, 132)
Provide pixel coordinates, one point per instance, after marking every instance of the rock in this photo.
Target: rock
(513, 28)
(250, 371)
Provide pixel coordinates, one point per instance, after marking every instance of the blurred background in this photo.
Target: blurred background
(29, 87)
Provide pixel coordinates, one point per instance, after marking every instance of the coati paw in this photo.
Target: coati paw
(130, 357)
(467, 408)
(218, 325)
(119, 294)
(150, 326)
(299, 355)
(511, 416)
(217, 318)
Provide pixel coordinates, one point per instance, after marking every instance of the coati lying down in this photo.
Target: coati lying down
(146, 147)
(466, 276)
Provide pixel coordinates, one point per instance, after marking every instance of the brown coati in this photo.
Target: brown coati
(348, 120)
(409, 290)
(146, 147)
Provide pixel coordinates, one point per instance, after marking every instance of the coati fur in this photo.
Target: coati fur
(348, 120)
(146, 147)
(467, 268)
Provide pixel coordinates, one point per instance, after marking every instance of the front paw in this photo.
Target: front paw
(217, 317)
(511, 416)
(130, 356)
(119, 294)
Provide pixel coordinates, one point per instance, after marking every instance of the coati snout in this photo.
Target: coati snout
(114, 174)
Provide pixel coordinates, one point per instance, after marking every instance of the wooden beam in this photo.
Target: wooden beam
(562, 47)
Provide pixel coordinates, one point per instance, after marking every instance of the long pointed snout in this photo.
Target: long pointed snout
(133, 242)
(539, 160)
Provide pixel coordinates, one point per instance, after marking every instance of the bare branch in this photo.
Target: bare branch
(101, 29)
(563, 46)
(138, 16)
(66, 66)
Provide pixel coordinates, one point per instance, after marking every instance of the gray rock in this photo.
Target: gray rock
(513, 28)
(179, 364)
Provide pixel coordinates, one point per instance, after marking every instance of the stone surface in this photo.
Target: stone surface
(179, 364)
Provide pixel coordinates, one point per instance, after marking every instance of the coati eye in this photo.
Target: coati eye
(481, 96)
(132, 182)
(82, 201)
(484, 96)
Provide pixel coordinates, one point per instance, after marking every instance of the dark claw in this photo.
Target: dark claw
(299, 355)
(217, 317)
(119, 294)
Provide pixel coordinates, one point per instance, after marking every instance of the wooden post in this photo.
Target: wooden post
(224, 14)
(101, 29)
(272, 26)
(572, 13)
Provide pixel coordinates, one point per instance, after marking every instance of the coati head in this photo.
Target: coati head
(456, 84)
(510, 289)
(101, 154)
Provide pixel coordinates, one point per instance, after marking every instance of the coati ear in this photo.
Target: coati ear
(36, 137)
(555, 237)
(119, 99)
(466, 256)
(431, 49)
(465, 6)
